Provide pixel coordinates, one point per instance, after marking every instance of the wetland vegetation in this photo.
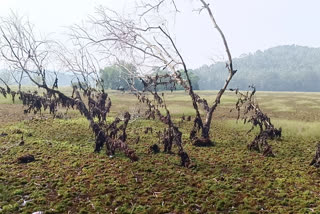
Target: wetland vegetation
(68, 177)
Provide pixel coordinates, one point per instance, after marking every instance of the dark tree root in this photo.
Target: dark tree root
(147, 130)
(26, 159)
(261, 145)
(203, 142)
(122, 146)
(136, 141)
(131, 155)
(268, 151)
(154, 149)
(185, 160)
(316, 160)
(3, 134)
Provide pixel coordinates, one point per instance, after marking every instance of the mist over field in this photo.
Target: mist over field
(281, 68)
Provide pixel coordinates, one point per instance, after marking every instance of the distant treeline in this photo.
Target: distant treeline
(282, 68)
(115, 77)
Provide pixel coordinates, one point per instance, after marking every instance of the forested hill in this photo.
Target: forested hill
(282, 68)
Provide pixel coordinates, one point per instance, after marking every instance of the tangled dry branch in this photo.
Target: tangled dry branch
(251, 113)
(98, 108)
(171, 134)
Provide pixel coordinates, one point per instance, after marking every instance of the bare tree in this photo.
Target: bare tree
(152, 46)
(22, 50)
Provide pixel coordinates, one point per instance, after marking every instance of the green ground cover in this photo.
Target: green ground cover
(67, 177)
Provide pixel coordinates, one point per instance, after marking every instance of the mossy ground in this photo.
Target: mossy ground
(67, 177)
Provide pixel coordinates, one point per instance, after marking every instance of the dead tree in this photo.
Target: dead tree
(31, 56)
(153, 46)
(11, 25)
(200, 125)
(251, 113)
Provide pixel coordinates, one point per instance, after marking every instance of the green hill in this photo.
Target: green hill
(282, 68)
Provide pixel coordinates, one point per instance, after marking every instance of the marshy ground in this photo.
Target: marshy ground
(67, 177)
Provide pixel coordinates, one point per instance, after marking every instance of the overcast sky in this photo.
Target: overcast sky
(249, 25)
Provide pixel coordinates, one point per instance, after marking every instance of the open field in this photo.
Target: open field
(67, 177)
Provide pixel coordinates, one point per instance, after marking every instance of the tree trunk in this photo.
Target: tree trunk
(207, 125)
(204, 140)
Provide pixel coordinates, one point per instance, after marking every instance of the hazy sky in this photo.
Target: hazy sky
(249, 25)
